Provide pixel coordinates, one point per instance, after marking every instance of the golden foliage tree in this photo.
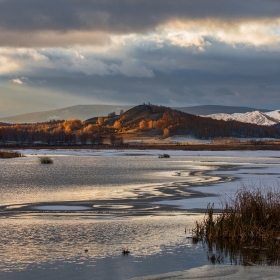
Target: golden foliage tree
(118, 124)
(73, 124)
(100, 120)
(143, 125)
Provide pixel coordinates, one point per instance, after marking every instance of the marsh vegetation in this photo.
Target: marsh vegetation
(247, 230)
(10, 154)
(164, 156)
(45, 160)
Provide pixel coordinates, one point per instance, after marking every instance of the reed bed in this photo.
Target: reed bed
(253, 213)
(10, 154)
(246, 231)
(45, 160)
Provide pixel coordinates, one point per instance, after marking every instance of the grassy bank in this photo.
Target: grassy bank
(10, 154)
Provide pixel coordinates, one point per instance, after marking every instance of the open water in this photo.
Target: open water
(120, 196)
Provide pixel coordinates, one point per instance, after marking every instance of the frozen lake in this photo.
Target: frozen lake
(104, 201)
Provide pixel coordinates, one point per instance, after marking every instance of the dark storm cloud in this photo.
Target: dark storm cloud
(48, 39)
(228, 54)
(202, 78)
(220, 75)
(122, 16)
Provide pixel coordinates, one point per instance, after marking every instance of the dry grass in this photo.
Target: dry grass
(45, 160)
(125, 251)
(164, 156)
(247, 230)
(10, 154)
(252, 214)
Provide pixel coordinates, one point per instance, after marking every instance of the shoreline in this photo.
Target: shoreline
(192, 146)
(112, 151)
(227, 272)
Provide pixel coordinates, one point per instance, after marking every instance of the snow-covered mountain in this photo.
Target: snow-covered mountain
(255, 117)
(274, 114)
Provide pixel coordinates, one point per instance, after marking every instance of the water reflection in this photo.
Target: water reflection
(39, 240)
(157, 244)
(243, 253)
(73, 178)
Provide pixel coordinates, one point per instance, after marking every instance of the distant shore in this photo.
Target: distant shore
(158, 146)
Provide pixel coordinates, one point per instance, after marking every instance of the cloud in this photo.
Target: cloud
(17, 81)
(129, 68)
(183, 33)
(20, 61)
(123, 16)
(7, 65)
(252, 32)
(187, 39)
(191, 52)
(224, 92)
(132, 68)
(92, 22)
(50, 38)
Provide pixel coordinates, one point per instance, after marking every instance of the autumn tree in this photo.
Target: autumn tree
(73, 124)
(117, 124)
(91, 128)
(151, 124)
(143, 125)
(100, 120)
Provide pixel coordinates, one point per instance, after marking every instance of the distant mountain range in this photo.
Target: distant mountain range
(81, 112)
(84, 112)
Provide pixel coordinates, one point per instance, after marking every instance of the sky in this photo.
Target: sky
(59, 53)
